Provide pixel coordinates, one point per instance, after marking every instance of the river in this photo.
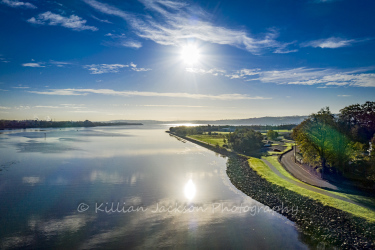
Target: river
(126, 187)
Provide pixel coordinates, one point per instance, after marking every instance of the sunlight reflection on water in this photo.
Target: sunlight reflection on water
(189, 190)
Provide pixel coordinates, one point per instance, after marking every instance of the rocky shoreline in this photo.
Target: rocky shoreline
(323, 224)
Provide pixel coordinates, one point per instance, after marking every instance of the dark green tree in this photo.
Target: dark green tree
(245, 140)
(313, 136)
(271, 134)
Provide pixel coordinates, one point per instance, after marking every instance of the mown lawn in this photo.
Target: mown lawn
(211, 139)
(264, 171)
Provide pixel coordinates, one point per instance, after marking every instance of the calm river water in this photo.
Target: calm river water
(126, 187)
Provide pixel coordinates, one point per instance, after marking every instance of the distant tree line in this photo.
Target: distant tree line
(197, 130)
(243, 140)
(14, 124)
(342, 143)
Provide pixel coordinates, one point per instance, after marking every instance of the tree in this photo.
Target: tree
(313, 136)
(271, 134)
(245, 140)
(359, 121)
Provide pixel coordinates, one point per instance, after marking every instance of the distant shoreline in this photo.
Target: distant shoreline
(7, 124)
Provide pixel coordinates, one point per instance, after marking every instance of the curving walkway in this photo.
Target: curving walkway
(303, 174)
(309, 187)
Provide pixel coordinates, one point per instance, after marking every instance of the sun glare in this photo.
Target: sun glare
(190, 54)
(189, 190)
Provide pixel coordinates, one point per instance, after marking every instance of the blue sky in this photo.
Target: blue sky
(178, 60)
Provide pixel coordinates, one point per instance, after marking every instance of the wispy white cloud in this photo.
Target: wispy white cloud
(73, 22)
(3, 107)
(59, 63)
(213, 71)
(343, 95)
(122, 40)
(58, 92)
(131, 44)
(112, 68)
(243, 73)
(141, 69)
(170, 24)
(21, 87)
(101, 20)
(33, 65)
(18, 4)
(356, 80)
(47, 107)
(324, 78)
(105, 68)
(3, 59)
(314, 76)
(302, 76)
(332, 43)
(234, 74)
(147, 94)
(22, 107)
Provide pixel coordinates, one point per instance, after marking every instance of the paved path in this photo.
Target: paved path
(302, 174)
(308, 187)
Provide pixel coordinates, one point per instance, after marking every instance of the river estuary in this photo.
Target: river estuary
(128, 186)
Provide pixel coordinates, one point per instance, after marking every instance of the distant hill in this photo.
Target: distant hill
(277, 120)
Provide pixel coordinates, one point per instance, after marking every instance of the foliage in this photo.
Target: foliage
(245, 140)
(359, 121)
(271, 134)
(339, 142)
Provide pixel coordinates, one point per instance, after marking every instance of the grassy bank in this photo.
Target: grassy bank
(265, 172)
(320, 220)
(361, 199)
(210, 139)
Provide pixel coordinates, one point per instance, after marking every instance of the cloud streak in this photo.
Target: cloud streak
(299, 76)
(73, 22)
(33, 65)
(170, 24)
(146, 94)
(18, 4)
(112, 68)
(332, 43)
(105, 68)
(313, 76)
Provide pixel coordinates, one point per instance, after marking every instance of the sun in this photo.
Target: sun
(190, 54)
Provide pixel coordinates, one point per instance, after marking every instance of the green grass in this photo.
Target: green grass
(210, 139)
(368, 201)
(264, 171)
(273, 160)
